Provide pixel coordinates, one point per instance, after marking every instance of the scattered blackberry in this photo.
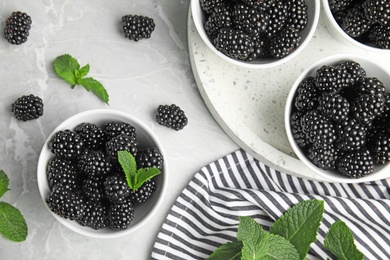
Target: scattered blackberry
(333, 106)
(65, 203)
(120, 143)
(379, 145)
(307, 95)
(351, 135)
(323, 156)
(137, 27)
(377, 11)
(284, 42)
(209, 5)
(318, 129)
(331, 78)
(297, 14)
(17, 28)
(92, 135)
(116, 188)
(121, 214)
(366, 107)
(278, 13)
(355, 23)
(113, 129)
(297, 131)
(171, 116)
(67, 144)
(249, 20)
(94, 164)
(27, 107)
(93, 189)
(62, 171)
(220, 17)
(150, 157)
(354, 69)
(234, 43)
(144, 192)
(95, 215)
(380, 36)
(356, 164)
(339, 5)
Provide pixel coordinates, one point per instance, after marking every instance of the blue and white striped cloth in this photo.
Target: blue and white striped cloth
(205, 215)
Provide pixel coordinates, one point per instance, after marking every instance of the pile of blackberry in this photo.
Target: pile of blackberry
(86, 181)
(367, 21)
(247, 30)
(17, 28)
(341, 119)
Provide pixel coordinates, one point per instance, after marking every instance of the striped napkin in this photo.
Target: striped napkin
(205, 215)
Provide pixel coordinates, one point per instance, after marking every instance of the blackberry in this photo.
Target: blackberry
(92, 135)
(260, 5)
(221, 17)
(250, 20)
(93, 189)
(356, 164)
(323, 156)
(121, 142)
(379, 145)
(115, 128)
(137, 27)
(297, 131)
(297, 14)
(333, 106)
(150, 157)
(278, 13)
(383, 120)
(120, 214)
(27, 107)
(307, 95)
(95, 215)
(234, 43)
(65, 203)
(116, 188)
(373, 86)
(17, 28)
(377, 11)
(355, 23)
(67, 144)
(171, 116)
(380, 36)
(354, 69)
(318, 129)
(62, 171)
(351, 135)
(366, 107)
(144, 192)
(284, 42)
(331, 78)
(339, 5)
(209, 5)
(94, 164)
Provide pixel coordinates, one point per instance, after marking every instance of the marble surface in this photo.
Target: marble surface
(138, 77)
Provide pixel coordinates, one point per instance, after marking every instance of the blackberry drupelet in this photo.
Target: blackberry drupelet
(379, 144)
(115, 128)
(67, 144)
(27, 107)
(356, 164)
(171, 116)
(221, 17)
(94, 164)
(318, 129)
(297, 131)
(150, 157)
(380, 36)
(234, 43)
(144, 192)
(351, 135)
(95, 215)
(366, 107)
(65, 203)
(93, 189)
(62, 171)
(334, 106)
(307, 95)
(121, 142)
(331, 78)
(137, 27)
(120, 214)
(284, 42)
(323, 156)
(92, 135)
(116, 188)
(17, 28)
(355, 23)
(297, 14)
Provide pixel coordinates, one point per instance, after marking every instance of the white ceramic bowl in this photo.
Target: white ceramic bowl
(373, 70)
(145, 137)
(340, 35)
(306, 34)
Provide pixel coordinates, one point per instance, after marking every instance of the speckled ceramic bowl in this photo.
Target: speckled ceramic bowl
(306, 34)
(145, 137)
(373, 70)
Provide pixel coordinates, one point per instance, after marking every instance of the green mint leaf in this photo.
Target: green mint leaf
(96, 87)
(4, 182)
(83, 71)
(280, 248)
(300, 224)
(340, 242)
(129, 166)
(13, 226)
(145, 174)
(227, 251)
(66, 67)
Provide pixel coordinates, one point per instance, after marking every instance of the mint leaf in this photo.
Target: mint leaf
(4, 182)
(227, 251)
(145, 174)
(65, 66)
(300, 224)
(96, 87)
(280, 248)
(129, 166)
(12, 223)
(83, 71)
(340, 242)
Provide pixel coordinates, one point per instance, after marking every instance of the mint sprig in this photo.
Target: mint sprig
(69, 69)
(135, 177)
(13, 226)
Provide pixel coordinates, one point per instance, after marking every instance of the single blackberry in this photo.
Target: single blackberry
(67, 144)
(93, 189)
(297, 14)
(371, 85)
(380, 36)
(150, 157)
(355, 23)
(171, 116)
(333, 106)
(65, 203)
(95, 215)
(307, 95)
(356, 164)
(339, 5)
(120, 214)
(331, 78)
(383, 120)
(221, 17)
(144, 192)
(62, 171)
(92, 135)
(116, 188)
(209, 5)
(234, 43)
(17, 28)
(351, 135)
(377, 11)
(115, 128)
(366, 107)
(121, 142)
(94, 164)
(278, 13)
(379, 145)
(137, 27)
(297, 131)
(249, 20)
(284, 42)
(354, 69)
(27, 107)
(323, 156)
(318, 129)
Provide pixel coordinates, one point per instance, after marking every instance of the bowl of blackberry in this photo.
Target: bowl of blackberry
(102, 173)
(363, 23)
(337, 119)
(253, 33)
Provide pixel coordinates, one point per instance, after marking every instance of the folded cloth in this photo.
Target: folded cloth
(205, 215)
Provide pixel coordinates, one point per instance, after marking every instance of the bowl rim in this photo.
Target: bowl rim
(379, 171)
(195, 7)
(73, 225)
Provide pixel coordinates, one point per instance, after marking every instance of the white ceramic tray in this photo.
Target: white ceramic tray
(249, 103)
